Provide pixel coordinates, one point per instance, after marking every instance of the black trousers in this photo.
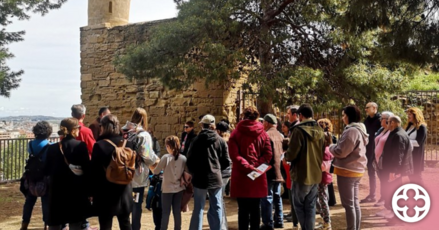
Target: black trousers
(331, 199)
(249, 213)
(106, 222)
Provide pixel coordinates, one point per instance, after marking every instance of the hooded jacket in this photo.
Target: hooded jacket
(305, 152)
(249, 147)
(350, 151)
(207, 156)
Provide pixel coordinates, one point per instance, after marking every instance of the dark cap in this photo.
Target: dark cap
(270, 118)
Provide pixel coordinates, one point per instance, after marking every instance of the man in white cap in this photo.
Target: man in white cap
(207, 156)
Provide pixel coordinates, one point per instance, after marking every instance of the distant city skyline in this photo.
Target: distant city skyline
(50, 57)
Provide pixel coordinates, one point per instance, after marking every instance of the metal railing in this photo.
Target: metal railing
(428, 102)
(13, 155)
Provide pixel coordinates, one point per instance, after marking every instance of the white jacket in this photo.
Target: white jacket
(144, 150)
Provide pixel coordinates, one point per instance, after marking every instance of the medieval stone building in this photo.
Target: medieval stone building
(108, 34)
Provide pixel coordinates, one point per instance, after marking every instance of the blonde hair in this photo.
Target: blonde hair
(418, 117)
(140, 118)
(67, 126)
(174, 144)
(326, 125)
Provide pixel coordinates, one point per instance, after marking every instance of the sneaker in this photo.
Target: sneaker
(389, 215)
(383, 213)
(379, 203)
(327, 226)
(280, 225)
(368, 199)
(318, 226)
(288, 218)
(289, 214)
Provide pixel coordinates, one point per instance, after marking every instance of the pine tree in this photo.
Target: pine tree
(19, 9)
(326, 51)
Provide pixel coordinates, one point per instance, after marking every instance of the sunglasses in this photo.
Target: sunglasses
(186, 127)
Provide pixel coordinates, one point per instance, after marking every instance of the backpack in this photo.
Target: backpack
(35, 181)
(122, 165)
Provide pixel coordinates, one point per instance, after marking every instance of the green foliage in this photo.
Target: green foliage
(17, 9)
(328, 52)
(424, 82)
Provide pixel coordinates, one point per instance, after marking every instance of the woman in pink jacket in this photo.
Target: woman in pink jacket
(249, 147)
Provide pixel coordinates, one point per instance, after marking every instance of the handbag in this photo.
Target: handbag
(76, 169)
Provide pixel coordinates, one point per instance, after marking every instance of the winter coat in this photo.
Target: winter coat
(109, 199)
(305, 152)
(190, 136)
(350, 151)
(419, 152)
(373, 124)
(249, 147)
(327, 158)
(207, 156)
(398, 153)
(68, 193)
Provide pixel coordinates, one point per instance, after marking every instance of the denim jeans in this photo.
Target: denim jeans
(171, 200)
(215, 213)
(224, 225)
(305, 197)
(273, 200)
(348, 189)
(136, 216)
(292, 212)
(29, 206)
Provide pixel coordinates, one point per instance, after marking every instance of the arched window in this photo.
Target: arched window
(110, 7)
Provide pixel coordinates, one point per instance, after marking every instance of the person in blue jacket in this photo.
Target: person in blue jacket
(42, 131)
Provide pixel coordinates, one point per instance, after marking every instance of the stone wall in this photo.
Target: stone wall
(168, 110)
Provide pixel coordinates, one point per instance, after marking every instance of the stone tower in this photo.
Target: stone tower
(108, 13)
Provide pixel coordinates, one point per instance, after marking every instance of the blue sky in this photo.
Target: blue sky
(50, 57)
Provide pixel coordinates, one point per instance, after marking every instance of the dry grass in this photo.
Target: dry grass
(11, 204)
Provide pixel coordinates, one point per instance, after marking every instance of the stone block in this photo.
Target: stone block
(162, 128)
(104, 83)
(131, 89)
(159, 111)
(154, 94)
(150, 102)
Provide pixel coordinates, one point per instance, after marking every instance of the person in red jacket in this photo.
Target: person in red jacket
(85, 134)
(249, 147)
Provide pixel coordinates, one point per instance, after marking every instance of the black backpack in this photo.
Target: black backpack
(35, 180)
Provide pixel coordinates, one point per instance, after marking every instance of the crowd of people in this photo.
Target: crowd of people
(103, 170)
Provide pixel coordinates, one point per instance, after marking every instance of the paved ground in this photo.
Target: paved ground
(11, 204)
